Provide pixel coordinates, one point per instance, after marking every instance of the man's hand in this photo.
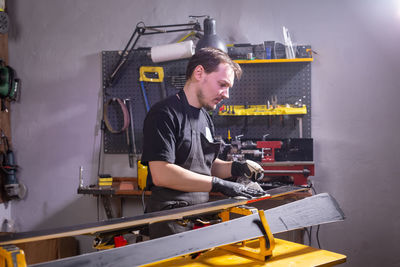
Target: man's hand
(247, 168)
(232, 189)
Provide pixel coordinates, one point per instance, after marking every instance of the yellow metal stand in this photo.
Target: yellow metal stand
(266, 242)
(286, 253)
(254, 252)
(11, 256)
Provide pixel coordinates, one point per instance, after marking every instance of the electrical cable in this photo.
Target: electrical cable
(311, 185)
(308, 235)
(143, 203)
(317, 235)
(318, 226)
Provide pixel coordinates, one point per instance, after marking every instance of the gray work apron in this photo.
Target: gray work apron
(200, 158)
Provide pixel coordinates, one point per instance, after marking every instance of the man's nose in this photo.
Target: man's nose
(225, 93)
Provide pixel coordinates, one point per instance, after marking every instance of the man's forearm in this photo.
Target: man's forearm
(221, 168)
(175, 177)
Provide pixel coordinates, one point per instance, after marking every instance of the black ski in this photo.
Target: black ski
(315, 210)
(139, 220)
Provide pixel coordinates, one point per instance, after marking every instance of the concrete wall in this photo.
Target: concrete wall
(55, 47)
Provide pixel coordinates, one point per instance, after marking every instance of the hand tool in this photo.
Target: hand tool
(151, 74)
(80, 177)
(229, 136)
(300, 119)
(4, 21)
(13, 188)
(142, 175)
(145, 99)
(124, 112)
(274, 101)
(130, 134)
(9, 85)
(290, 51)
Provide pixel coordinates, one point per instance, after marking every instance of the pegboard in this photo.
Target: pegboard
(127, 86)
(288, 81)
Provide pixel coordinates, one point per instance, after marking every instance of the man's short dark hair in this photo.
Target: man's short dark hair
(210, 58)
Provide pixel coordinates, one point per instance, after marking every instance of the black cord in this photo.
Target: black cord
(311, 185)
(318, 226)
(317, 235)
(308, 231)
(313, 189)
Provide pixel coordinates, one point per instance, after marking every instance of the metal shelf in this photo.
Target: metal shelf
(260, 110)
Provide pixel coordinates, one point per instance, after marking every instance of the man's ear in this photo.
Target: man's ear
(198, 72)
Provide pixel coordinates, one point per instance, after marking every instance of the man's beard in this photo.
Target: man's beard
(202, 101)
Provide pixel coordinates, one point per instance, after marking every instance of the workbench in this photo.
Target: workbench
(121, 188)
(286, 253)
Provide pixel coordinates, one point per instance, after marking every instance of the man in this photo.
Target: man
(179, 145)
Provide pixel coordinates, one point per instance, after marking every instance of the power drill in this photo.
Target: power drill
(12, 187)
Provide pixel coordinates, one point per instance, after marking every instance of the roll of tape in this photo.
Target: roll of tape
(172, 51)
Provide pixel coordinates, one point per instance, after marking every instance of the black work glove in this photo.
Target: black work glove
(247, 168)
(232, 189)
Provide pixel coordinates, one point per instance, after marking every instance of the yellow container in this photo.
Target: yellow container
(142, 176)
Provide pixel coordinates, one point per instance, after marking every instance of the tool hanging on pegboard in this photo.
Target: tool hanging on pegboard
(126, 106)
(125, 113)
(130, 134)
(9, 85)
(4, 21)
(13, 189)
(151, 74)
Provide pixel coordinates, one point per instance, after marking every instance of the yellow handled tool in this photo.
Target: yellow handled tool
(154, 75)
(142, 176)
(146, 70)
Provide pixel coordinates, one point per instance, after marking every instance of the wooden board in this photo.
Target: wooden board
(139, 220)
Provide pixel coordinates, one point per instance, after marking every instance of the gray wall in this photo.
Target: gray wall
(55, 47)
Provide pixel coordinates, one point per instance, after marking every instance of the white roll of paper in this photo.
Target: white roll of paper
(172, 51)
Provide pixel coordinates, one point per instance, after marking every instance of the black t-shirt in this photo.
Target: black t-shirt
(167, 127)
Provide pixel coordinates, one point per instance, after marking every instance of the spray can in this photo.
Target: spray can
(80, 176)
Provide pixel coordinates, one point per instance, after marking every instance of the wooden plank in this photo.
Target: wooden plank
(135, 221)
